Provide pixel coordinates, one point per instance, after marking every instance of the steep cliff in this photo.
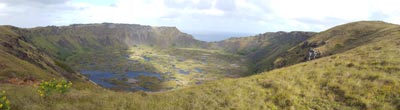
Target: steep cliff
(66, 41)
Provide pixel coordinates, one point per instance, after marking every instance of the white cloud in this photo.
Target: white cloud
(2, 8)
(254, 16)
(388, 10)
(123, 11)
(320, 9)
(2, 5)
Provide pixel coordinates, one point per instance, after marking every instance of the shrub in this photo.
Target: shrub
(4, 102)
(46, 88)
(338, 46)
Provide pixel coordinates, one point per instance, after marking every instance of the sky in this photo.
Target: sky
(197, 16)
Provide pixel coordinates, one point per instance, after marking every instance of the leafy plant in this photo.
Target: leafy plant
(46, 88)
(4, 102)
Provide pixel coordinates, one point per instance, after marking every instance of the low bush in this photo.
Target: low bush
(46, 88)
(4, 102)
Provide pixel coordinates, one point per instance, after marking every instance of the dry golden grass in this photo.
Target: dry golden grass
(366, 77)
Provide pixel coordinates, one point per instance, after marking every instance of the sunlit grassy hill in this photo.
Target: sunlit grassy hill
(336, 40)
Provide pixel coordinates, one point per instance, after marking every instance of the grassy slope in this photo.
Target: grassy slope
(263, 49)
(335, 40)
(12, 66)
(19, 59)
(366, 77)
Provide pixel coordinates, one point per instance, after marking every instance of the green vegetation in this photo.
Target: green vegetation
(19, 59)
(364, 73)
(263, 49)
(66, 41)
(64, 66)
(4, 102)
(46, 88)
(180, 67)
(327, 83)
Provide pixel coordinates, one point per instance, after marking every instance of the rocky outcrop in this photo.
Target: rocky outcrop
(313, 54)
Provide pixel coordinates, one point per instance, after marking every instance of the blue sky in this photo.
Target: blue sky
(228, 16)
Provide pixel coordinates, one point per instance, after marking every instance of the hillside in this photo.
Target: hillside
(19, 59)
(66, 41)
(364, 77)
(73, 41)
(335, 40)
(357, 67)
(135, 57)
(263, 49)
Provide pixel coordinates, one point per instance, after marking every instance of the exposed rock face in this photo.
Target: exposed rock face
(68, 40)
(313, 54)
